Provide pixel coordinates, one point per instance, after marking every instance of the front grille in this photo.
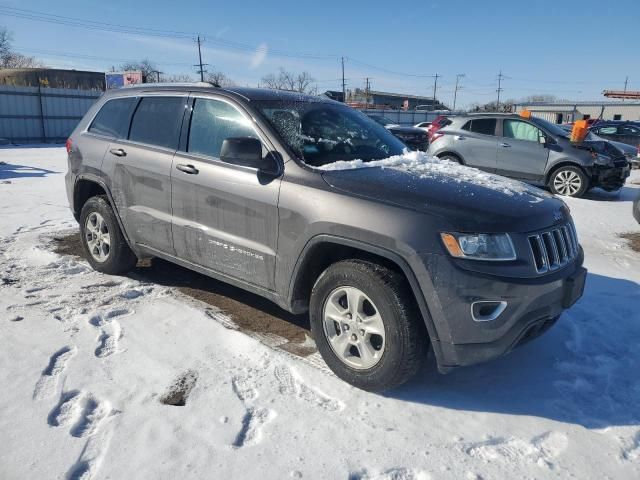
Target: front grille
(555, 248)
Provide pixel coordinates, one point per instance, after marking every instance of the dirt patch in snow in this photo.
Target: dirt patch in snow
(249, 312)
(179, 391)
(633, 239)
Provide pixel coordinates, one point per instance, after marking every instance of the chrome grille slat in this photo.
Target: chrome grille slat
(554, 248)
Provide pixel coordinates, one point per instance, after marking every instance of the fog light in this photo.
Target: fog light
(487, 311)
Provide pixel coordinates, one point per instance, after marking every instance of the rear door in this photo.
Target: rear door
(477, 143)
(225, 216)
(628, 134)
(520, 153)
(141, 169)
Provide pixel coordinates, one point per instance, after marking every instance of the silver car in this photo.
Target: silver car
(532, 150)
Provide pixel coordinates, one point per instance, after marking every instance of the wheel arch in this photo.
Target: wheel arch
(323, 250)
(563, 163)
(88, 186)
(451, 154)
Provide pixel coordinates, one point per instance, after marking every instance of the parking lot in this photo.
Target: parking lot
(165, 373)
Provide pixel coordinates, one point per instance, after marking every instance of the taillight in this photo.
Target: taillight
(69, 145)
(435, 136)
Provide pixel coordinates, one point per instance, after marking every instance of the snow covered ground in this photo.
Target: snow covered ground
(87, 359)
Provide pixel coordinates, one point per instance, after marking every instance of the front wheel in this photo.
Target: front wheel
(366, 325)
(105, 247)
(568, 181)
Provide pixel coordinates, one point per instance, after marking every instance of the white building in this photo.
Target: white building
(565, 112)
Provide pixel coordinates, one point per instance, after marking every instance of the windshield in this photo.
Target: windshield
(551, 127)
(320, 132)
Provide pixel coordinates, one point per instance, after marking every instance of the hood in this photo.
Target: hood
(466, 199)
(406, 130)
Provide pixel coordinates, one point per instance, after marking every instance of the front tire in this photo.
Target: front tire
(104, 245)
(366, 325)
(568, 181)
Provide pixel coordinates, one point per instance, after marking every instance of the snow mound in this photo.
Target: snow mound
(425, 166)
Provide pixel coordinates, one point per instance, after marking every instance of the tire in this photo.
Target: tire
(568, 181)
(109, 253)
(397, 354)
(451, 158)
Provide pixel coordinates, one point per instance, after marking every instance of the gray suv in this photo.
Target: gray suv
(532, 150)
(243, 185)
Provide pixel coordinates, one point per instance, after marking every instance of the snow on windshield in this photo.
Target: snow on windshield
(420, 164)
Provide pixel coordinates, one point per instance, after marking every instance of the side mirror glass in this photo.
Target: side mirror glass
(246, 152)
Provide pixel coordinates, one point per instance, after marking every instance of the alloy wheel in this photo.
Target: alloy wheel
(97, 237)
(567, 182)
(354, 328)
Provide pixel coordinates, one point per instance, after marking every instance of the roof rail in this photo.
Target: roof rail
(173, 84)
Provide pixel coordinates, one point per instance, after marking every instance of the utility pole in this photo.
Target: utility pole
(200, 64)
(157, 72)
(435, 88)
(626, 82)
(455, 92)
(367, 89)
(344, 90)
(500, 77)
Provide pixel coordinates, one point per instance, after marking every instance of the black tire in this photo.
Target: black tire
(451, 157)
(120, 259)
(406, 339)
(570, 171)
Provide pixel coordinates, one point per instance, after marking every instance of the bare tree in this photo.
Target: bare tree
(289, 81)
(218, 78)
(178, 77)
(148, 68)
(11, 59)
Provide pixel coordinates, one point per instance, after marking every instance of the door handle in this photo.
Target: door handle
(118, 152)
(190, 169)
(505, 145)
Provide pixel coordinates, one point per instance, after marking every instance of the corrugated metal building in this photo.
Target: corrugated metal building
(41, 115)
(376, 99)
(565, 112)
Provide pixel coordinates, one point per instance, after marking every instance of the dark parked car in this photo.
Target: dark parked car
(630, 151)
(532, 150)
(242, 185)
(413, 137)
(623, 132)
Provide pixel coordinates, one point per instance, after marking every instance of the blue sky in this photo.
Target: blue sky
(568, 48)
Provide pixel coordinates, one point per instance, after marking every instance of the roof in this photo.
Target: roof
(402, 95)
(244, 92)
(578, 104)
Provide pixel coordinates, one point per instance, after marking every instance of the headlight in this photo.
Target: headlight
(480, 246)
(601, 159)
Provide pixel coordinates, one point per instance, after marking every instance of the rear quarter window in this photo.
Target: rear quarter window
(157, 121)
(113, 118)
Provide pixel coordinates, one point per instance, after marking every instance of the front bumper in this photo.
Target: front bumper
(610, 178)
(532, 306)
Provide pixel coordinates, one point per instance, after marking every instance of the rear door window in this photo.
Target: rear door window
(212, 122)
(484, 126)
(113, 118)
(157, 121)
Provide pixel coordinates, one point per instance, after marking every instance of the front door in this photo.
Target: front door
(142, 170)
(520, 151)
(225, 216)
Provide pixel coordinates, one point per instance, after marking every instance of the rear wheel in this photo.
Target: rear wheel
(568, 181)
(105, 247)
(451, 158)
(366, 325)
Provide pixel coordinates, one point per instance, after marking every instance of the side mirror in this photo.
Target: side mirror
(542, 139)
(246, 152)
